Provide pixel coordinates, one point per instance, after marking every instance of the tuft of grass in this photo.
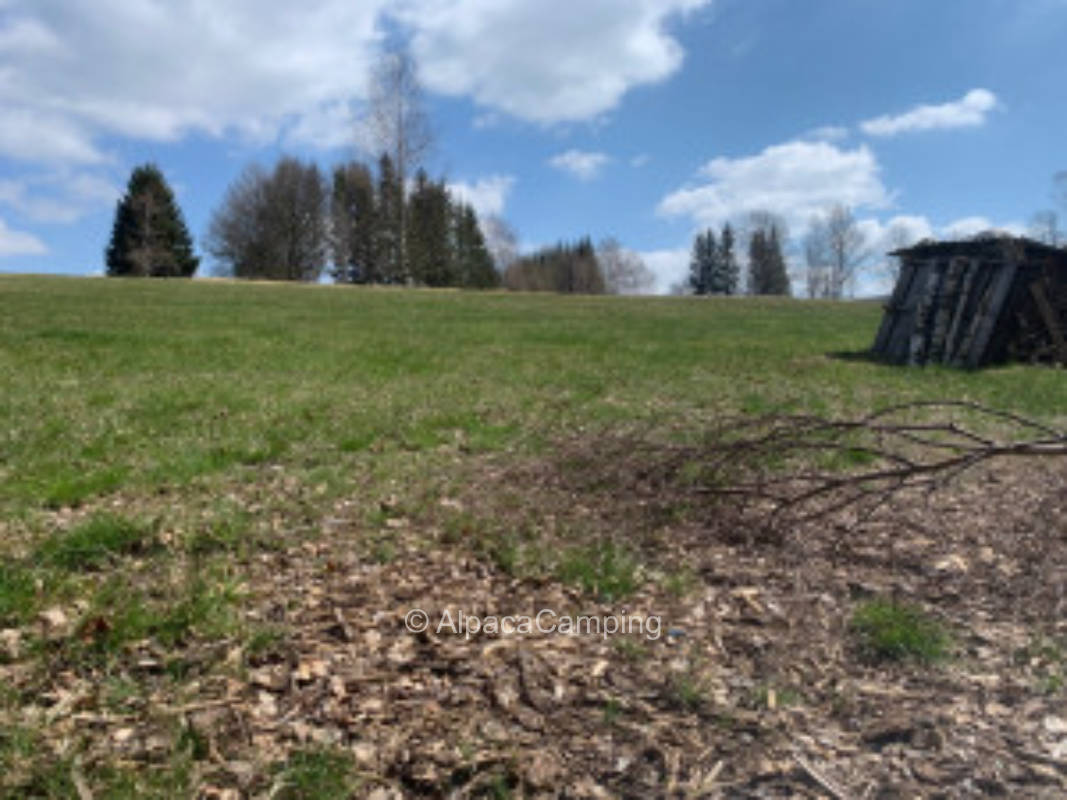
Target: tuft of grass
(28, 770)
(605, 570)
(687, 691)
(384, 552)
(629, 649)
(263, 642)
(120, 613)
(462, 526)
(1046, 658)
(311, 774)
(94, 544)
(680, 583)
(612, 711)
(17, 593)
(891, 631)
(226, 533)
(506, 554)
(207, 608)
(72, 490)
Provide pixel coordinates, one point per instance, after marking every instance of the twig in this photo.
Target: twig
(936, 453)
(821, 779)
(76, 777)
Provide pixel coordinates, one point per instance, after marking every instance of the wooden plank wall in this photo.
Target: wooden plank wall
(968, 306)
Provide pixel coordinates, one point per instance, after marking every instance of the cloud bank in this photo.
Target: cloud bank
(795, 180)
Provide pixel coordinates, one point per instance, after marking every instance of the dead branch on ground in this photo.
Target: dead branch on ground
(805, 467)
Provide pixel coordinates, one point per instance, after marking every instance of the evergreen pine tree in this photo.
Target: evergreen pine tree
(729, 270)
(767, 272)
(353, 219)
(757, 262)
(777, 276)
(702, 262)
(149, 237)
(387, 239)
(474, 263)
(431, 256)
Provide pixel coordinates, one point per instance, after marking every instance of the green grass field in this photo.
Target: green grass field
(155, 435)
(110, 385)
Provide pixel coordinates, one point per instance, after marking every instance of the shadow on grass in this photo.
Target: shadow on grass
(863, 356)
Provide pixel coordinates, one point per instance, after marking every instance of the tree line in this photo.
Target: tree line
(834, 251)
(358, 226)
(388, 225)
(290, 223)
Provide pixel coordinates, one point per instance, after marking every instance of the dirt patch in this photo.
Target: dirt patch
(752, 685)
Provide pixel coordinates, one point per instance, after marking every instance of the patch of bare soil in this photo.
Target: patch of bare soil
(753, 688)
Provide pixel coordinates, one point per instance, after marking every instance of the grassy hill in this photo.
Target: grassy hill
(184, 464)
(115, 384)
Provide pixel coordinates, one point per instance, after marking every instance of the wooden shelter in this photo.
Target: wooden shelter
(981, 301)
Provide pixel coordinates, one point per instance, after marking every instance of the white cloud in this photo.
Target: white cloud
(33, 134)
(640, 160)
(488, 195)
(969, 111)
(74, 72)
(582, 164)
(669, 266)
(796, 180)
(58, 197)
(331, 125)
(899, 231)
(545, 61)
(969, 226)
(25, 35)
(18, 243)
(879, 239)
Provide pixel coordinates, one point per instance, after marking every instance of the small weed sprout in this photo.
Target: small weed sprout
(891, 631)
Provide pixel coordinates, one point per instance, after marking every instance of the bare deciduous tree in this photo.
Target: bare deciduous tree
(1045, 227)
(817, 259)
(624, 271)
(1059, 189)
(272, 225)
(398, 125)
(846, 247)
(501, 240)
(897, 237)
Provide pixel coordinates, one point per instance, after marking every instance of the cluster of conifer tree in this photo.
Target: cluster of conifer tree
(766, 265)
(290, 223)
(713, 268)
(379, 234)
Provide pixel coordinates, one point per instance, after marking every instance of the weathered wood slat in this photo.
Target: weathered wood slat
(920, 342)
(946, 301)
(973, 302)
(898, 347)
(1052, 324)
(959, 313)
(989, 315)
(896, 301)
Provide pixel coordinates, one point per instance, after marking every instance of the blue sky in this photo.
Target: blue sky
(641, 119)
